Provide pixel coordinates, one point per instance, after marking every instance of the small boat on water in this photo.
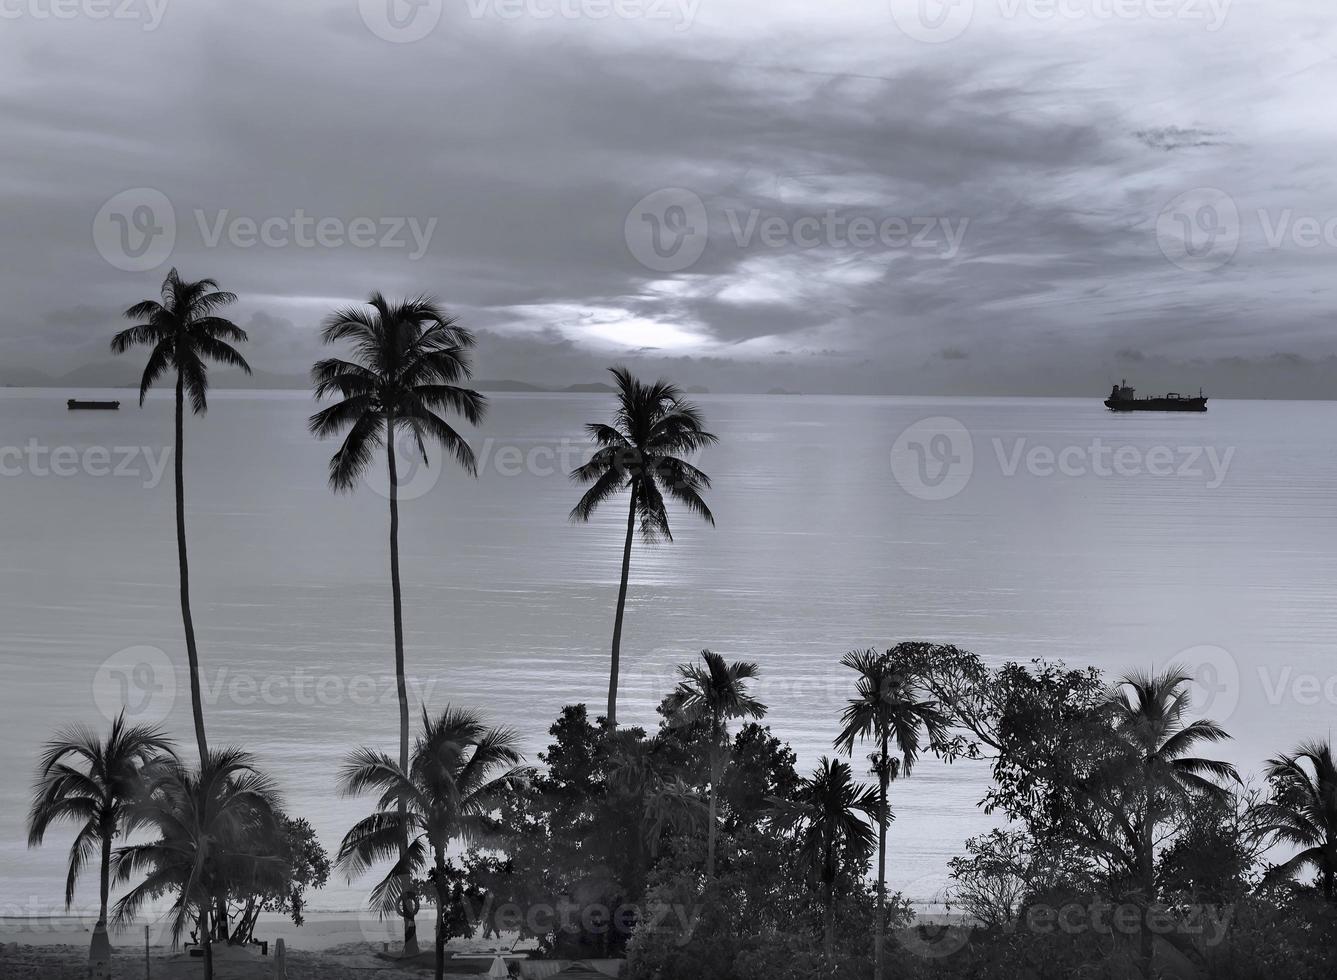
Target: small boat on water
(74, 404)
(1124, 399)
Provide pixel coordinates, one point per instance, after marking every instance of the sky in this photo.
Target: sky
(865, 196)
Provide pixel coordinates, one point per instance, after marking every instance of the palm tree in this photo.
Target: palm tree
(207, 823)
(184, 334)
(85, 780)
(640, 452)
(456, 779)
(408, 357)
(714, 692)
(1148, 711)
(828, 812)
(1303, 811)
(888, 709)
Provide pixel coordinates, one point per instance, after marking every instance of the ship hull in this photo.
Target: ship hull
(1156, 404)
(75, 405)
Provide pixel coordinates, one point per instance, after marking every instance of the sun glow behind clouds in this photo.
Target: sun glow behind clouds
(617, 329)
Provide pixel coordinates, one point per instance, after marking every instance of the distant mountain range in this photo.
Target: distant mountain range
(126, 375)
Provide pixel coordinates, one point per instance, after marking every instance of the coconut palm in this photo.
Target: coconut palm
(184, 334)
(641, 452)
(408, 358)
(713, 693)
(206, 824)
(889, 709)
(458, 775)
(829, 814)
(1149, 712)
(1303, 811)
(94, 783)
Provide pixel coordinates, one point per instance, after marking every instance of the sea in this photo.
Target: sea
(1017, 528)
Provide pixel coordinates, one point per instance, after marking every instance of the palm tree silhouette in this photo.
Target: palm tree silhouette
(640, 451)
(1303, 811)
(458, 774)
(409, 357)
(208, 822)
(827, 812)
(714, 692)
(888, 709)
(185, 334)
(94, 783)
(1148, 711)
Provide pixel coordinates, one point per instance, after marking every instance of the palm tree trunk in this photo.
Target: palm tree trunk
(410, 926)
(207, 940)
(829, 922)
(710, 827)
(440, 915)
(192, 654)
(106, 882)
(621, 607)
(1149, 890)
(884, 777)
(99, 949)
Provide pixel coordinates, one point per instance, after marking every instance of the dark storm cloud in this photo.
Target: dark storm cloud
(509, 153)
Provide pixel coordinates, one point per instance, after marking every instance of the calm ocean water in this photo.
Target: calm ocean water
(1063, 532)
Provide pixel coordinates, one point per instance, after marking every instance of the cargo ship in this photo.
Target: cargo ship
(74, 404)
(1124, 399)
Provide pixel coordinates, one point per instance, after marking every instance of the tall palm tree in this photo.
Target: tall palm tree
(888, 709)
(641, 452)
(1149, 713)
(459, 773)
(184, 334)
(714, 692)
(1303, 811)
(828, 813)
(207, 823)
(408, 358)
(85, 780)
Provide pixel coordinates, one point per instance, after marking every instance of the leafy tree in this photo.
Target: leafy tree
(641, 451)
(303, 864)
(409, 358)
(185, 334)
(206, 823)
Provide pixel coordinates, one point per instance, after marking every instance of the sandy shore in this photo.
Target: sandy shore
(71, 963)
(330, 946)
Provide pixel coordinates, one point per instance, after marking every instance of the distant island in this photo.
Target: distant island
(783, 391)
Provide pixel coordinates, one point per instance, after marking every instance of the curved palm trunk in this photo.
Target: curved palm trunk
(711, 826)
(207, 940)
(192, 654)
(879, 928)
(621, 608)
(410, 926)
